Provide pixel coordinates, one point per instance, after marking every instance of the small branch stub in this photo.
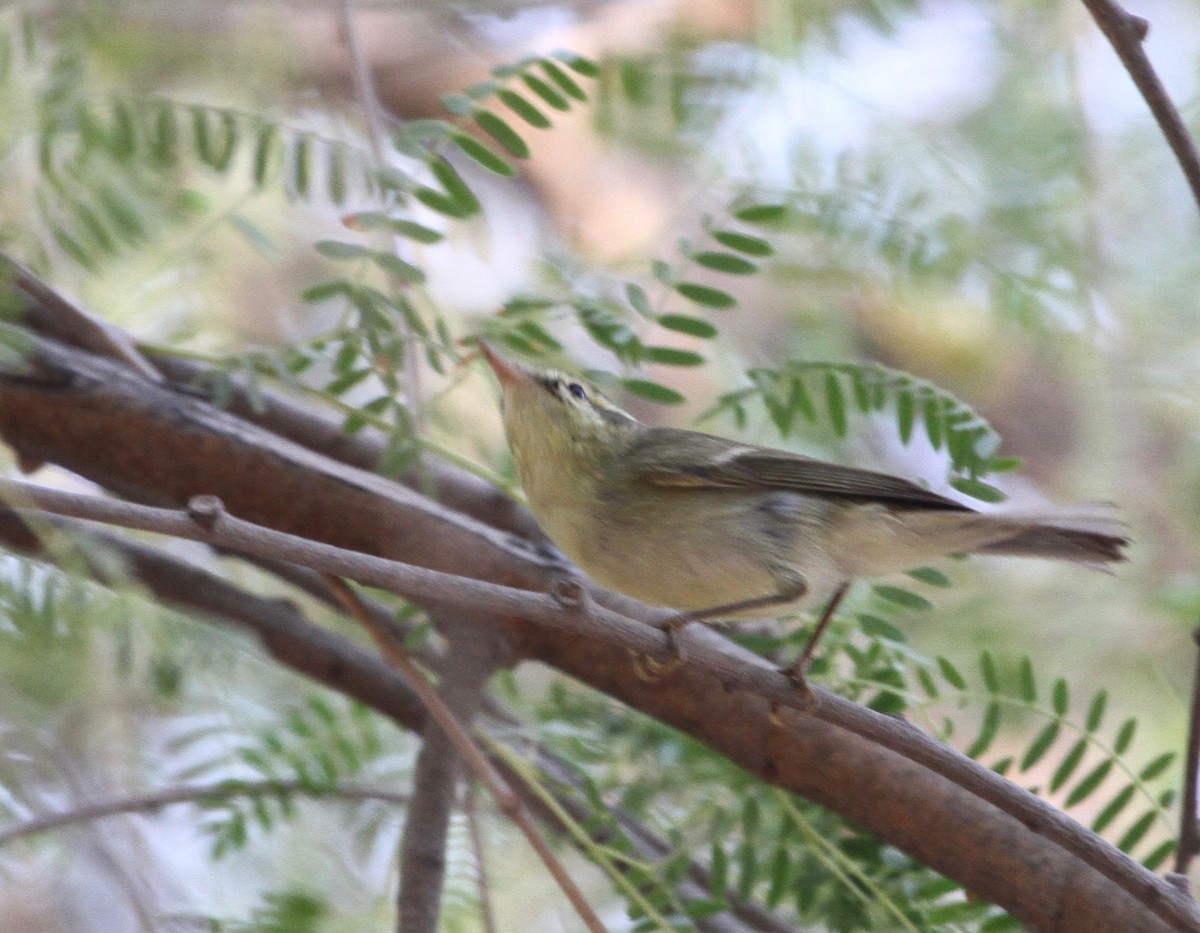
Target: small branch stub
(205, 511)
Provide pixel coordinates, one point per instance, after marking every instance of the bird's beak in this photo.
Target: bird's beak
(506, 371)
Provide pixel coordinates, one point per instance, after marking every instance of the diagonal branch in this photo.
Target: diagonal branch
(447, 720)
(1127, 33)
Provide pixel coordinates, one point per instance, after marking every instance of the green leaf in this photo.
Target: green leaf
(638, 299)
(1061, 697)
(266, 148)
(705, 295)
(1095, 714)
(564, 81)
(340, 250)
(202, 135)
(1089, 783)
(1157, 766)
(437, 201)
(1125, 736)
(1067, 767)
(454, 186)
(1040, 745)
(539, 335)
(902, 597)
(932, 576)
(835, 402)
(977, 489)
(987, 667)
(547, 93)
(862, 394)
(744, 243)
(416, 232)
(931, 414)
(905, 414)
(1137, 831)
(1154, 860)
(324, 290)
(683, 324)
(762, 213)
(654, 391)
(1004, 464)
(502, 133)
(718, 871)
(524, 109)
(578, 63)
(987, 731)
(1028, 684)
(951, 675)
(876, 627)
(780, 877)
(729, 263)
(164, 146)
(484, 155)
(394, 265)
(1113, 809)
(335, 175)
(301, 169)
(670, 356)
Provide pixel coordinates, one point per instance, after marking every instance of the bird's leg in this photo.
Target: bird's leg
(797, 670)
(792, 588)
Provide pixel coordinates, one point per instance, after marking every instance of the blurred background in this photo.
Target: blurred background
(975, 195)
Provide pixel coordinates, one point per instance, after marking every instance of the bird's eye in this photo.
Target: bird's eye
(577, 390)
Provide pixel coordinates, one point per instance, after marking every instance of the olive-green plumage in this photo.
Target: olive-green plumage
(691, 521)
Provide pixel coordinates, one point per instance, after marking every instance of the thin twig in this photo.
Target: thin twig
(471, 805)
(71, 324)
(364, 90)
(192, 793)
(507, 801)
(1126, 33)
(1189, 828)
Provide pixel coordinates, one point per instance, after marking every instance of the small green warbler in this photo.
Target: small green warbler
(714, 528)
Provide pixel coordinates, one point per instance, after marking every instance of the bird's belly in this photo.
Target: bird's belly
(689, 556)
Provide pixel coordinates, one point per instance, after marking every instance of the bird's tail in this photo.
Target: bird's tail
(1086, 534)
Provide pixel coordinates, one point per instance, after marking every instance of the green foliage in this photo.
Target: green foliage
(792, 392)
(314, 747)
(292, 911)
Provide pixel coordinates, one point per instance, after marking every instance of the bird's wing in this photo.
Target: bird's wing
(671, 457)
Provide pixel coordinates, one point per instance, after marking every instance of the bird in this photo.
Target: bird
(717, 529)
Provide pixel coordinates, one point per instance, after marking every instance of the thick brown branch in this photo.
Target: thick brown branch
(960, 819)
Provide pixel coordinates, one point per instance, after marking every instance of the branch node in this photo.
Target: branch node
(1138, 25)
(205, 511)
(1179, 881)
(569, 593)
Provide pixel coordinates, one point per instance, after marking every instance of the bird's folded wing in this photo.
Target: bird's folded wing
(701, 461)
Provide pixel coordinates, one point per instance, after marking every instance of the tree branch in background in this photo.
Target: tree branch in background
(155, 800)
(1127, 33)
(440, 711)
(1189, 823)
(67, 321)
